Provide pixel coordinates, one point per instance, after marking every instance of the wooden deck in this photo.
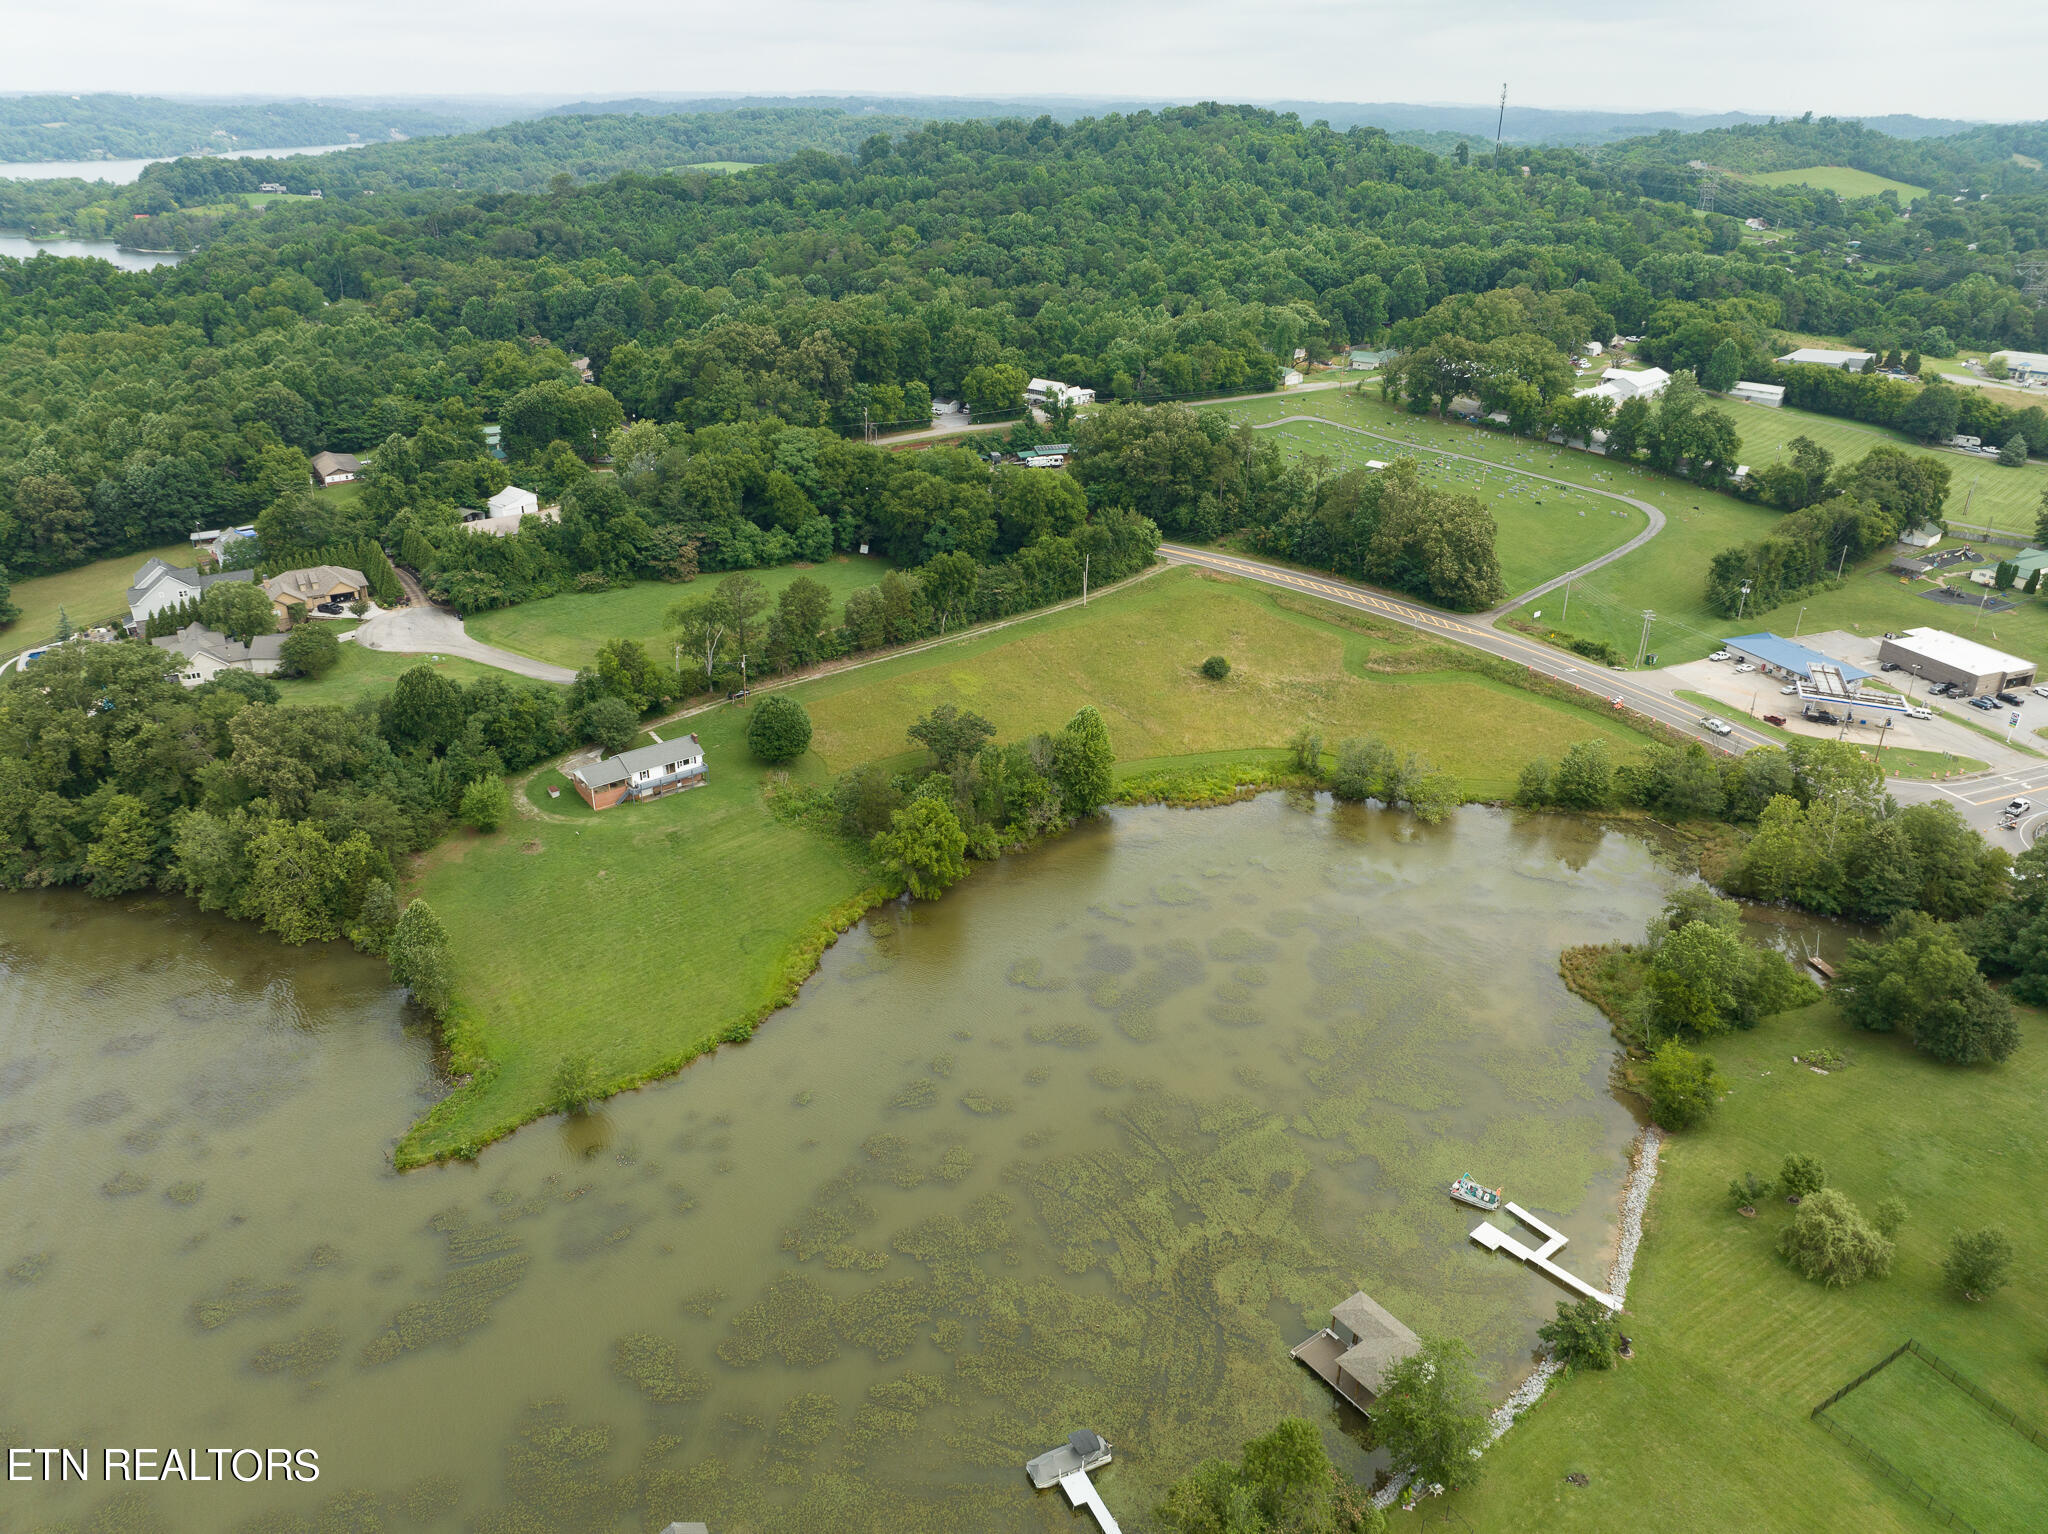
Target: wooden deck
(1493, 1238)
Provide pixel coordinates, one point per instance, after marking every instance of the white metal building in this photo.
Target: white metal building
(1939, 656)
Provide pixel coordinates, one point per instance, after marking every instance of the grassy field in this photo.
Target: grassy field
(90, 594)
(1980, 492)
(730, 167)
(568, 629)
(1707, 1428)
(644, 933)
(1544, 529)
(1842, 180)
(363, 673)
(1950, 1444)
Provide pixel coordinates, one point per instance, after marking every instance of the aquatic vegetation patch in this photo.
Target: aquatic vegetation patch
(304, 1355)
(185, 1192)
(1064, 1035)
(987, 1104)
(793, 1320)
(1237, 1016)
(484, 1264)
(101, 1108)
(1234, 945)
(240, 1297)
(29, 1269)
(921, 1093)
(125, 1182)
(1031, 974)
(653, 1366)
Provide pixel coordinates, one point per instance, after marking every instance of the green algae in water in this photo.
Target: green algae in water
(241, 1297)
(125, 1183)
(987, 1104)
(185, 1192)
(1064, 1035)
(1031, 975)
(653, 1366)
(30, 1269)
(484, 1265)
(304, 1355)
(921, 1093)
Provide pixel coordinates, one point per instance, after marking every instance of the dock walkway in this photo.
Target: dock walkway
(1493, 1238)
(1082, 1493)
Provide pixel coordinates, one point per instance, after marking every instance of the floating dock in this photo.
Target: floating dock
(1067, 1467)
(1494, 1239)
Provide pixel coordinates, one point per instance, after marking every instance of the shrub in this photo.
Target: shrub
(1829, 1240)
(1681, 1085)
(780, 730)
(1801, 1176)
(1585, 1334)
(925, 847)
(1889, 1217)
(1532, 789)
(1216, 668)
(1748, 1190)
(576, 1084)
(1307, 748)
(1979, 1263)
(1365, 770)
(486, 803)
(418, 957)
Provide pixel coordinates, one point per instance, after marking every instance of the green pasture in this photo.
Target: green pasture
(1842, 180)
(1544, 529)
(1980, 492)
(1708, 1426)
(1950, 1444)
(90, 594)
(643, 933)
(568, 629)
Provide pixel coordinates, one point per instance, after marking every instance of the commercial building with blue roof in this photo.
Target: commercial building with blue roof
(1776, 656)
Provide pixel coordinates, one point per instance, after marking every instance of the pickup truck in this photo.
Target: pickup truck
(1718, 726)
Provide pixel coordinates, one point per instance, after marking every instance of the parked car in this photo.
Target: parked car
(1989, 705)
(2010, 700)
(1821, 716)
(1777, 719)
(2041, 692)
(1718, 726)
(1790, 689)
(1744, 666)
(1888, 665)
(1916, 712)
(1722, 655)
(332, 609)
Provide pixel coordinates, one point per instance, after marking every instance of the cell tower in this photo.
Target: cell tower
(1501, 122)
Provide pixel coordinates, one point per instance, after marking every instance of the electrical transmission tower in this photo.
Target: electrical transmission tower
(2033, 276)
(1709, 184)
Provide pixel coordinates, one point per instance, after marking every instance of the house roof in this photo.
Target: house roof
(196, 639)
(1826, 357)
(620, 768)
(313, 581)
(1954, 650)
(1789, 656)
(2026, 562)
(1382, 1340)
(511, 496)
(155, 572)
(325, 464)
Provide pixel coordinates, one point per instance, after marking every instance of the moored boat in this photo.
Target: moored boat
(1466, 1190)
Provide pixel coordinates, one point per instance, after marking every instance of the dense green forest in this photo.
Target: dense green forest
(111, 127)
(1151, 257)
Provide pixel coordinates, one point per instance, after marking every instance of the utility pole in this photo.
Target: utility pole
(1802, 619)
(1643, 645)
(1567, 603)
(1084, 578)
(1742, 606)
(1499, 125)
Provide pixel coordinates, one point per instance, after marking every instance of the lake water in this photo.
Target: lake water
(25, 249)
(123, 172)
(1090, 1142)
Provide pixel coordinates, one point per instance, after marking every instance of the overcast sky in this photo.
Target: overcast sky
(1846, 57)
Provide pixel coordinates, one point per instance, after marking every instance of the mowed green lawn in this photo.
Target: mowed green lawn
(642, 933)
(1544, 529)
(1707, 1428)
(89, 594)
(1948, 1442)
(361, 673)
(1842, 180)
(1980, 492)
(568, 629)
